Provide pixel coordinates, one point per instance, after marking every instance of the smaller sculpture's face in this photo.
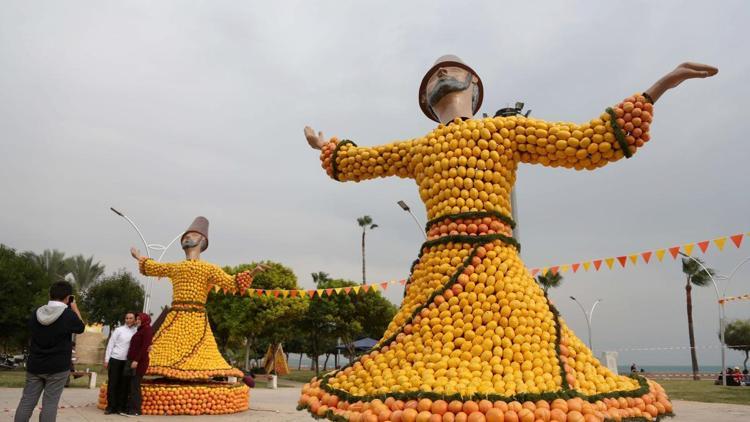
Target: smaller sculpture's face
(447, 80)
(191, 240)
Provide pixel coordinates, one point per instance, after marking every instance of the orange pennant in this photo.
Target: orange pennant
(646, 256)
(534, 272)
(329, 292)
(688, 247)
(575, 267)
(384, 285)
(365, 287)
(703, 245)
(293, 293)
(737, 240)
(276, 293)
(674, 250)
(554, 269)
(402, 282)
(597, 264)
(720, 242)
(347, 290)
(609, 262)
(311, 293)
(260, 292)
(623, 260)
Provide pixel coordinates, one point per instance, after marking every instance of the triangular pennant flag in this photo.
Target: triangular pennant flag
(586, 265)
(704, 245)
(293, 293)
(688, 247)
(276, 293)
(737, 240)
(609, 262)
(554, 269)
(311, 293)
(269, 293)
(260, 292)
(534, 272)
(347, 290)
(374, 287)
(545, 270)
(564, 268)
(597, 264)
(392, 281)
(402, 282)
(366, 287)
(660, 254)
(217, 288)
(575, 267)
(338, 290)
(623, 260)
(720, 242)
(320, 292)
(329, 291)
(646, 256)
(356, 289)
(285, 293)
(634, 258)
(674, 250)
(384, 285)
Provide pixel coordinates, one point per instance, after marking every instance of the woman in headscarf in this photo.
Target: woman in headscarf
(138, 356)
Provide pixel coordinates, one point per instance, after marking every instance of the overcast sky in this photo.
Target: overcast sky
(168, 110)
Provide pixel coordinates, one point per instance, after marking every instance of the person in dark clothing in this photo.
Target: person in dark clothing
(115, 360)
(138, 358)
(48, 367)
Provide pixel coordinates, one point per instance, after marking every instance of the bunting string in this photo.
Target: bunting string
(612, 263)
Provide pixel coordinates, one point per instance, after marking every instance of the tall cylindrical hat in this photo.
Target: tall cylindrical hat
(447, 60)
(200, 226)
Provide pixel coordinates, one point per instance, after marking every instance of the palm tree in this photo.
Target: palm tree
(52, 262)
(320, 277)
(84, 271)
(549, 280)
(366, 223)
(696, 274)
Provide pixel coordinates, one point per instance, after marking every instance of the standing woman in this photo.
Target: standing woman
(138, 358)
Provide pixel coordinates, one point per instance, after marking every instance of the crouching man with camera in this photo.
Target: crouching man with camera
(48, 367)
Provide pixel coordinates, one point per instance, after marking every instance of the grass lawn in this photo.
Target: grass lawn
(17, 378)
(706, 391)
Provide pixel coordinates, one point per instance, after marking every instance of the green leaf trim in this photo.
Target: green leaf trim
(334, 166)
(619, 134)
(473, 214)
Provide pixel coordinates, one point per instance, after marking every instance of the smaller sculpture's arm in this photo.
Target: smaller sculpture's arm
(345, 161)
(151, 268)
(233, 283)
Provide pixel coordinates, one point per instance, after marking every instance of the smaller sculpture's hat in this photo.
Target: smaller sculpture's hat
(447, 61)
(200, 226)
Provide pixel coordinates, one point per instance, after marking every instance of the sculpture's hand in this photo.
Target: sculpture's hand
(135, 253)
(315, 141)
(681, 73)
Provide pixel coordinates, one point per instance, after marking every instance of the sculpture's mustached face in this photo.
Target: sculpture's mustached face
(446, 85)
(191, 240)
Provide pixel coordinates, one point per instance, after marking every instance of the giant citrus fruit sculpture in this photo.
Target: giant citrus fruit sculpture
(184, 351)
(475, 338)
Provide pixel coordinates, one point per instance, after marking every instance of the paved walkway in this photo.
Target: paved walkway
(279, 406)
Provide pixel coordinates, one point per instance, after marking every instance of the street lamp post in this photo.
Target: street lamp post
(589, 316)
(148, 247)
(406, 208)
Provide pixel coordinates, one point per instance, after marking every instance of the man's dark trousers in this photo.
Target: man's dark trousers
(118, 386)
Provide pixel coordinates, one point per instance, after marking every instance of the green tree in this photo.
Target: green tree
(365, 222)
(549, 280)
(249, 320)
(25, 286)
(52, 262)
(737, 337)
(108, 300)
(695, 274)
(375, 313)
(84, 271)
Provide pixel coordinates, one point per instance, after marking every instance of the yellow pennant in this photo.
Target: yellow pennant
(634, 258)
(356, 289)
(660, 254)
(544, 270)
(720, 242)
(374, 286)
(688, 248)
(564, 268)
(586, 265)
(609, 262)
(285, 293)
(338, 290)
(320, 292)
